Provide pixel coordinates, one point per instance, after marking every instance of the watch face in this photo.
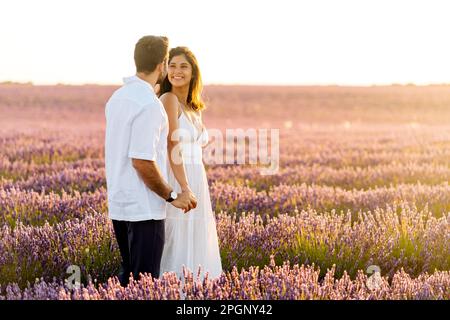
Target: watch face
(173, 195)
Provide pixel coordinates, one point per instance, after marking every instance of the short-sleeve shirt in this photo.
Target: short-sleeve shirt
(136, 127)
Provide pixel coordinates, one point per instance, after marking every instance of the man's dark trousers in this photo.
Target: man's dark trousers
(141, 246)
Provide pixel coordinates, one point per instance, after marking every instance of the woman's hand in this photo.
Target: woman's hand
(192, 200)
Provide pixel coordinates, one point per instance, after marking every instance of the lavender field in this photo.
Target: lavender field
(363, 181)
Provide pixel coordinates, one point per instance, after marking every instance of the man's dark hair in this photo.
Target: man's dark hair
(149, 52)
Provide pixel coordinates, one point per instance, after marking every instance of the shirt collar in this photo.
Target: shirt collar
(135, 78)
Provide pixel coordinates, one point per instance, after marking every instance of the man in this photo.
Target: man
(136, 159)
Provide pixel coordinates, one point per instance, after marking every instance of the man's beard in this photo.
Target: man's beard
(162, 75)
(161, 78)
(158, 84)
(160, 81)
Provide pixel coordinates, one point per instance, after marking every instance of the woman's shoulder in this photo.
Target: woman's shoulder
(168, 96)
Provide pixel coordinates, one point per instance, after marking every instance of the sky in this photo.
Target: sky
(316, 42)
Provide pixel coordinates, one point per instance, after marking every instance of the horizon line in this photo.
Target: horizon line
(391, 84)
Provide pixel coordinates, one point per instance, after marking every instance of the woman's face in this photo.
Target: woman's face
(180, 71)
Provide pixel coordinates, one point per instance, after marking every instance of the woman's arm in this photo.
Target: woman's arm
(170, 102)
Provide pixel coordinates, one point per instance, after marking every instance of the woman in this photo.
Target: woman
(190, 238)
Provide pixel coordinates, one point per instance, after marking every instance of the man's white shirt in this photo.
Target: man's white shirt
(136, 127)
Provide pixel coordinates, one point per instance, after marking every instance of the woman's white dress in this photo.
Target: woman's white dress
(191, 238)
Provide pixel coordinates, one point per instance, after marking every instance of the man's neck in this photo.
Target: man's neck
(150, 78)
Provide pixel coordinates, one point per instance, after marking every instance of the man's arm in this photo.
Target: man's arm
(151, 175)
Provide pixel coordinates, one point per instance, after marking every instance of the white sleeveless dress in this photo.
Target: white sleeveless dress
(191, 238)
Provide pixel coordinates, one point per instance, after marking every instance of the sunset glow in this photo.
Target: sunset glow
(347, 42)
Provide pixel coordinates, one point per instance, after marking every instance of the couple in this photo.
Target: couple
(158, 197)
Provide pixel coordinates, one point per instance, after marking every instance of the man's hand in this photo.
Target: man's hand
(185, 200)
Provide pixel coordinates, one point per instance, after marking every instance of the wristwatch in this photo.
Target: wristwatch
(173, 195)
